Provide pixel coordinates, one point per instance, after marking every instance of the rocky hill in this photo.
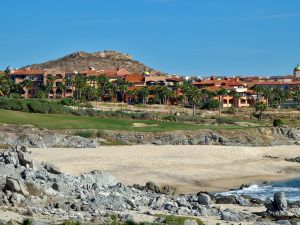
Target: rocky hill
(105, 60)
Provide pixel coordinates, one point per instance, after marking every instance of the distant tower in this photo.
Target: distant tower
(297, 72)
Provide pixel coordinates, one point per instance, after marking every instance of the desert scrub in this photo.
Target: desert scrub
(178, 220)
(277, 123)
(85, 133)
(33, 106)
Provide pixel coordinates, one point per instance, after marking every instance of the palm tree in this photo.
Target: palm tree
(49, 84)
(193, 95)
(26, 84)
(104, 86)
(62, 88)
(122, 87)
(221, 93)
(132, 95)
(260, 107)
(6, 85)
(143, 93)
(80, 83)
(166, 94)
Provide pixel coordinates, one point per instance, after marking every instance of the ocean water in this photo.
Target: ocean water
(291, 189)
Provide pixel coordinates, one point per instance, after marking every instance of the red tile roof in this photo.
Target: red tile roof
(135, 78)
(27, 71)
(277, 83)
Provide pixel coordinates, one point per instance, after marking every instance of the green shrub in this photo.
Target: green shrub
(41, 94)
(15, 95)
(68, 102)
(277, 123)
(85, 133)
(179, 220)
(212, 104)
(225, 120)
(38, 107)
(171, 118)
(33, 106)
(27, 222)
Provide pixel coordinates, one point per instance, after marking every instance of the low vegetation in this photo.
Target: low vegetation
(61, 122)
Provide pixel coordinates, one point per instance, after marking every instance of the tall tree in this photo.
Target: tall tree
(80, 83)
(104, 87)
(143, 94)
(26, 84)
(221, 93)
(260, 107)
(50, 79)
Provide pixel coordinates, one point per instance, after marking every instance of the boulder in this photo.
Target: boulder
(24, 158)
(16, 185)
(229, 216)
(204, 199)
(283, 222)
(280, 202)
(226, 199)
(52, 169)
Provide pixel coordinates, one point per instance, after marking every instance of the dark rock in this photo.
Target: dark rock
(204, 199)
(226, 199)
(16, 185)
(52, 169)
(283, 222)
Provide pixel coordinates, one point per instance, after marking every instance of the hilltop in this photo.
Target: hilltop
(104, 60)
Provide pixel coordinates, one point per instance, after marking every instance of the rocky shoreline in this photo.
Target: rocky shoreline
(42, 138)
(44, 193)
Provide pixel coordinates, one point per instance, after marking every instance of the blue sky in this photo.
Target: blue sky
(201, 37)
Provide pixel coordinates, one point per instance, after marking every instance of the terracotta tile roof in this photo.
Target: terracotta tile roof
(27, 71)
(135, 78)
(174, 79)
(122, 72)
(277, 83)
(217, 88)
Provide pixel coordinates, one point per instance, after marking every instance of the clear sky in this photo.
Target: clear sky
(201, 37)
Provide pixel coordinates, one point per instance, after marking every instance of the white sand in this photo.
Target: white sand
(189, 168)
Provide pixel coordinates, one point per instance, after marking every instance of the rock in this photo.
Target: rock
(16, 185)
(297, 159)
(280, 202)
(283, 222)
(228, 216)
(16, 199)
(24, 158)
(190, 222)
(99, 179)
(52, 169)
(204, 199)
(242, 201)
(226, 199)
(151, 186)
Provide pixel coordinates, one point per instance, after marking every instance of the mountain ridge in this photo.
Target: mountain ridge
(101, 60)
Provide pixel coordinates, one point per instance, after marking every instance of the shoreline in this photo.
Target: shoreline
(188, 168)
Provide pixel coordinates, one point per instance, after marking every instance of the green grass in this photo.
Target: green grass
(61, 122)
(179, 220)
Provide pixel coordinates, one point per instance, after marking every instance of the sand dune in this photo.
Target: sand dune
(189, 168)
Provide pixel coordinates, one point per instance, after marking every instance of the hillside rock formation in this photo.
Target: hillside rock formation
(104, 60)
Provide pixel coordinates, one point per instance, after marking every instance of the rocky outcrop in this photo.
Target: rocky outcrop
(105, 60)
(43, 138)
(42, 189)
(246, 137)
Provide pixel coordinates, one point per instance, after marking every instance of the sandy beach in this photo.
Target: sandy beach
(190, 168)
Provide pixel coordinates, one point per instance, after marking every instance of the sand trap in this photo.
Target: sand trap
(190, 168)
(144, 125)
